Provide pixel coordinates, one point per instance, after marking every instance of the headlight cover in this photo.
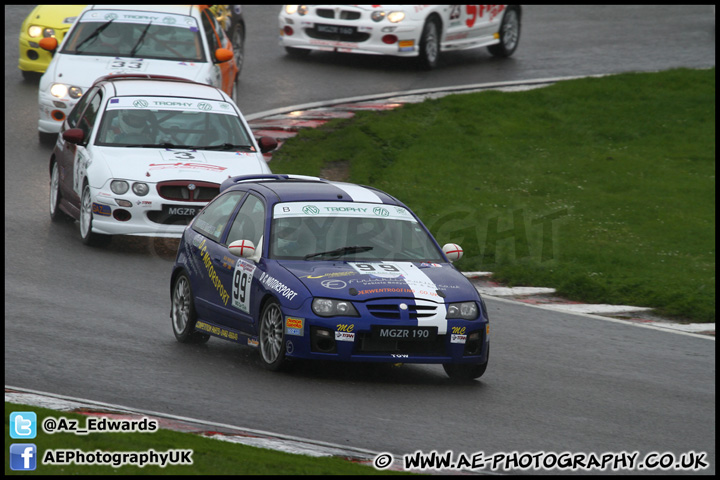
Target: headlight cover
(119, 187)
(326, 307)
(299, 9)
(463, 310)
(59, 90)
(140, 189)
(396, 17)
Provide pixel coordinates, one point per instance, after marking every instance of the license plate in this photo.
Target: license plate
(335, 29)
(181, 210)
(415, 334)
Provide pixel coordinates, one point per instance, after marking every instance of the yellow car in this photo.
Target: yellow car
(43, 21)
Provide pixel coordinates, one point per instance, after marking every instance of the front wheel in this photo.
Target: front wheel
(86, 220)
(464, 371)
(183, 313)
(272, 336)
(430, 45)
(509, 35)
(55, 213)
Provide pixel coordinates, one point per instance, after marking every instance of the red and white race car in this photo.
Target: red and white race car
(421, 31)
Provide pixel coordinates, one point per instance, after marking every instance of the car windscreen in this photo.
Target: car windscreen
(349, 231)
(136, 34)
(171, 122)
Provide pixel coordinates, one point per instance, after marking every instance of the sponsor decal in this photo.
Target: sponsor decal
(275, 284)
(186, 166)
(217, 331)
(253, 342)
(342, 209)
(330, 275)
(333, 284)
(102, 210)
(344, 336)
(213, 276)
(458, 338)
(294, 326)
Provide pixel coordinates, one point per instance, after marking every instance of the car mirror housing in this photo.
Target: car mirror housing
(242, 248)
(267, 144)
(74, 135)
(452, 251)
(49, 44)
(223, 55)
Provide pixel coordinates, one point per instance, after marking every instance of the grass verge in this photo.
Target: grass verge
(209, 456)
(602, 188)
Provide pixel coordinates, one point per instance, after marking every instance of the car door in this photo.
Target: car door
(211, 260)
(73, 159)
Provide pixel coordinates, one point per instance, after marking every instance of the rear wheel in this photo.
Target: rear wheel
(509, 35)
(272, 336)
(183, 313)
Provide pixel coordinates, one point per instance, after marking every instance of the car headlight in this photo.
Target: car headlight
(326, 307)
(377, 16)
(464, 310)
(140, 189)
(119, 187)
(59, 90)
(299, 9)
(35, 31)
(396, 17)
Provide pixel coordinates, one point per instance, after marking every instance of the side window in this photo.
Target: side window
(74, 115)
(250, 222)
(209, 29)
(212, 220)
(87, 120)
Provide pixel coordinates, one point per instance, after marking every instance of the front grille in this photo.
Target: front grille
(355, 37)
(393, 312)
(188, 191)
(342, 14)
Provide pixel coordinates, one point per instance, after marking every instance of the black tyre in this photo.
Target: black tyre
(86, 218)
(465, 372)
(48, 139)
(55, 213)
(430, 45)
(182, 312)
(509, 34)
(272, 336)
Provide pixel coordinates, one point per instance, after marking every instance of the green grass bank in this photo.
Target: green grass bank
(602, 188)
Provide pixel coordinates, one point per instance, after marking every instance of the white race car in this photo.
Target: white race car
(421, 31)
(180, 40)
(142, 155)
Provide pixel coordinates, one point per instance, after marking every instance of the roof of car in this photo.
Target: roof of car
(174, 9)
(301, 188)
(160, 85)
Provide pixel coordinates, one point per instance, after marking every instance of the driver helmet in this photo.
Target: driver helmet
(111, 36)
(133, 121)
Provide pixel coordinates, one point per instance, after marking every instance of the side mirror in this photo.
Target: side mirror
(267, 144)
(223, 55)
(242, 248)
(49, 44)
(74, 135)
(452, 251)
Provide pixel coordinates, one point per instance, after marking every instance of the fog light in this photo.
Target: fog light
(288, 31)
(322, 340)
(389, 39)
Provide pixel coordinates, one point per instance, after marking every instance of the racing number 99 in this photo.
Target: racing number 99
(369, 267)
(241, 285)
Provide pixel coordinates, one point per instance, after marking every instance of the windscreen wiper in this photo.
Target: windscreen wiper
(140, 40)
(97, 32)
(226, 146)
(339, 251)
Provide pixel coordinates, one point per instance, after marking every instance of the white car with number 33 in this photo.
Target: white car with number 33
(143, 154)
(421, 31)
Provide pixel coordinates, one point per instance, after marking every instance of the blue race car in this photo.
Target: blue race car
(302, 267)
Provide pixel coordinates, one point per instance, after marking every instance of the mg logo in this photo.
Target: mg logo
(191, 187)
(140, 103)
(204, 106)
(310, 210)
(381, 212)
